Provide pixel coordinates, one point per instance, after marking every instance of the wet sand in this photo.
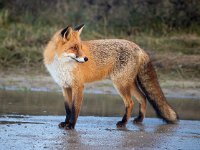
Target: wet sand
(42, 132)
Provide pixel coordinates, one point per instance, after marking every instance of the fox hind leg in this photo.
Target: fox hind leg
(140, 97)
(125, 93)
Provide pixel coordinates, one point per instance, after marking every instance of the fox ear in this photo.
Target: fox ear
(66, 33)
(79, 28)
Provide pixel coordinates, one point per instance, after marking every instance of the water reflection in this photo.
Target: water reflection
(46, 103)
(154, 135)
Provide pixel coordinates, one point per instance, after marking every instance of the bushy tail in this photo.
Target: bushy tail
(147, 80)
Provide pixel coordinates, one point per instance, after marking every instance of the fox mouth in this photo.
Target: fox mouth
(77, 59)
(80, 59)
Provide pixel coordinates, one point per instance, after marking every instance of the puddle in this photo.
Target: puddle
(48, 103)
(17, 122)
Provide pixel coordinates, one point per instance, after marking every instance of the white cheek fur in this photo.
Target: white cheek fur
(72, 55)
(66, 57)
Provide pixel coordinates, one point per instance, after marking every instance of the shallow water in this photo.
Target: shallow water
(48, 103)
(20, 129)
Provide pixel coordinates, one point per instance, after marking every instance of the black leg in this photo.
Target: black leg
(124, 120)
(68, 115)
(77, 98)
(68, 112)
(140, 116)
(71, 119)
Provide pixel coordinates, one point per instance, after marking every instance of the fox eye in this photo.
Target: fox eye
(75, 47)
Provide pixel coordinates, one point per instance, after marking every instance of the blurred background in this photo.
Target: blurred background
(168, 30)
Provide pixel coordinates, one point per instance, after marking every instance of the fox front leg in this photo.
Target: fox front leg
(68, 114)
(67, 93)
(77, 98)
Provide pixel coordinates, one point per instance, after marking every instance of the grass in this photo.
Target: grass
(176, 43)
(23, 37)
(23, 44)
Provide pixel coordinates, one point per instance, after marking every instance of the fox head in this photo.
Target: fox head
(69, 46)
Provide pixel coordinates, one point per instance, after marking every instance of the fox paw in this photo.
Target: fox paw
(138, 120)
(62, 124)
(69, 126)
(121, 124)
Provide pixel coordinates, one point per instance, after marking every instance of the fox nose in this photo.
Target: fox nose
(85, 59)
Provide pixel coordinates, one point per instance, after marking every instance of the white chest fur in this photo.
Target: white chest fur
(61, 71)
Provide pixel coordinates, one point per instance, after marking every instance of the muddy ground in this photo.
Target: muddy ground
(42, 132)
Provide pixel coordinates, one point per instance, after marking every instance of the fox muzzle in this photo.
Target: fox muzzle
(74, 57)
(81, 59)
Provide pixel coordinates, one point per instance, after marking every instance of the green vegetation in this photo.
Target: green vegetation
(163, 28)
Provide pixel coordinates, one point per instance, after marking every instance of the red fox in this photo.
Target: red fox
(72, 63)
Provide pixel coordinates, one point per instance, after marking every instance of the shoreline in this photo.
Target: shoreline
(178, 88)
(169, 93)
